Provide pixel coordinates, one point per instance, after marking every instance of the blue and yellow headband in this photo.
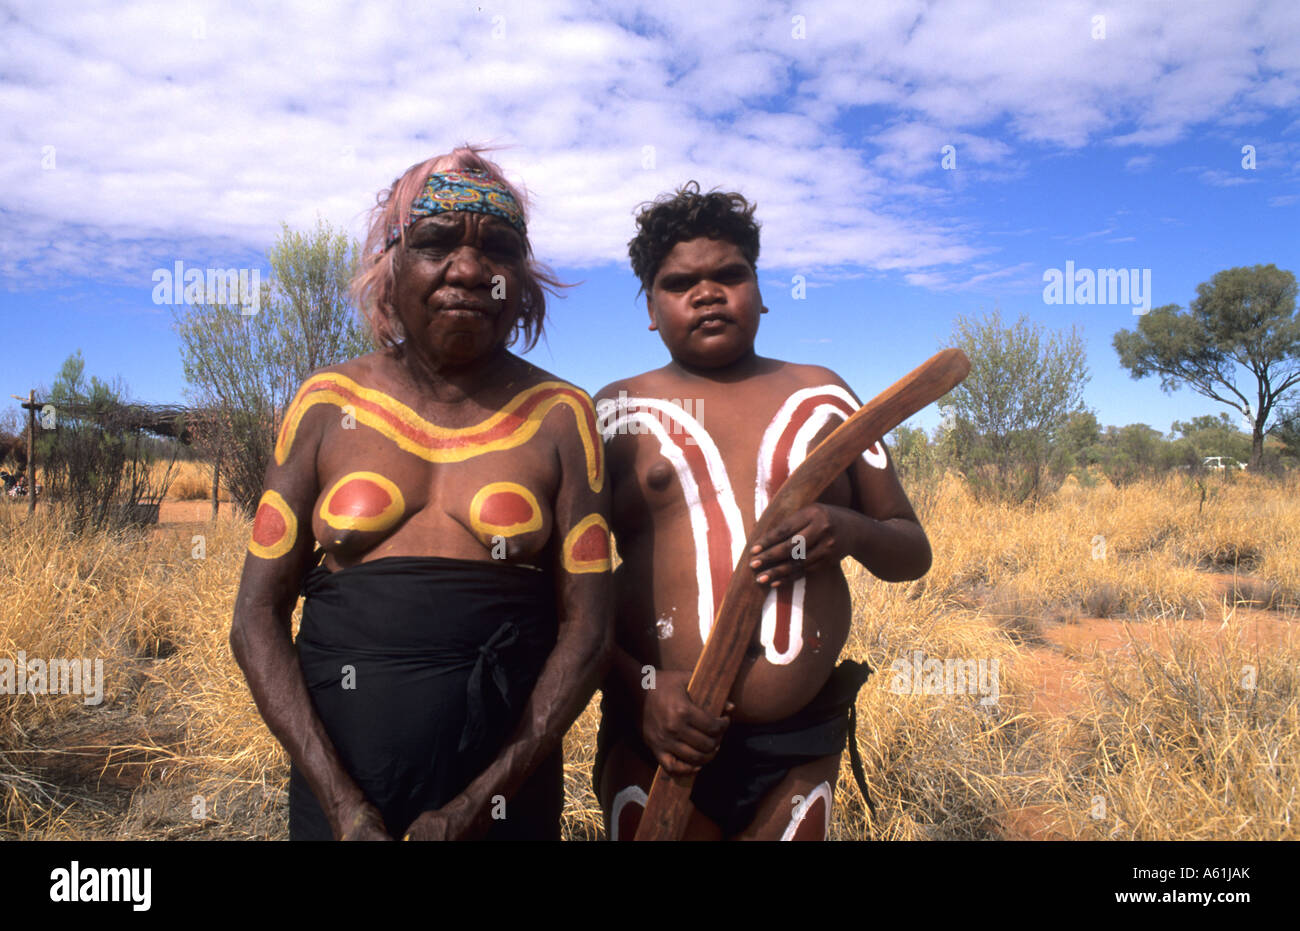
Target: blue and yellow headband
(463, 190)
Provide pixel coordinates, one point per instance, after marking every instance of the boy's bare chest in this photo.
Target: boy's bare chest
(718, 457)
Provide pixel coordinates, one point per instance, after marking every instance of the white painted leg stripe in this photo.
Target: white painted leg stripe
(823, 791)
(632, 793)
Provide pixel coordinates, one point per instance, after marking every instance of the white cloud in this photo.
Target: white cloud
(1219, 178)
(201, 127)
(1025, 275)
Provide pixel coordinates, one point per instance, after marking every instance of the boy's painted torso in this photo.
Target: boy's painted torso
(693, 462)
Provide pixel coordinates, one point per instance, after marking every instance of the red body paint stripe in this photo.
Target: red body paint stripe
(629, 819)
(814, 820)
(779, 471)
(780, 467)
(718, 535)
(592, 545)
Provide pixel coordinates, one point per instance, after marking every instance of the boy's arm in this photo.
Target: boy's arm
(680, 734)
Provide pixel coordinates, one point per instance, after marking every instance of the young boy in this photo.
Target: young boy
(686, 443)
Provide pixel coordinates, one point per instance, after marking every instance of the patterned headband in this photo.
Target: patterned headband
(463, 190)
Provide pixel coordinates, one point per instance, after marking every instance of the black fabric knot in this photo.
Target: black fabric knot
(488, 674)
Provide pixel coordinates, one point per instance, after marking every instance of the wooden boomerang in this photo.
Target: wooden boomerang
(668, 807)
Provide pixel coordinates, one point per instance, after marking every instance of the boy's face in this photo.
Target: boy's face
(705, 303)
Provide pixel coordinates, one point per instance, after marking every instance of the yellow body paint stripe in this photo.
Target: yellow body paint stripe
(506, 429)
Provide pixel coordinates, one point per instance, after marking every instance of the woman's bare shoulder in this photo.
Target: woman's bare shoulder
(529, 376)
(372, 370)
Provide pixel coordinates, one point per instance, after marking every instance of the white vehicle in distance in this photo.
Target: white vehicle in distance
(1222, 462)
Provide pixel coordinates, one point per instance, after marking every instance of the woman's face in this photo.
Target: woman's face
(458, 286)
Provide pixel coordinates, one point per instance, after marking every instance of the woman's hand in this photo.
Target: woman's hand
(459, 819)
(682, 736)
(366, 823)
(815, 534)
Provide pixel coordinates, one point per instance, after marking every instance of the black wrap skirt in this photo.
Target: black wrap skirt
(419, 668)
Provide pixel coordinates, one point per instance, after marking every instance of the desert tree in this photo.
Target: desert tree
(1208, 435)
(1241, 326)
(1024, 384)
(1077, 444)
(1287, 430)
(243, 363)
(1133, 452)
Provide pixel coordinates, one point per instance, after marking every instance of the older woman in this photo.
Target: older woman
(457, 622)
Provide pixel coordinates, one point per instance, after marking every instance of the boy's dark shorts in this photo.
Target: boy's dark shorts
(754, 758)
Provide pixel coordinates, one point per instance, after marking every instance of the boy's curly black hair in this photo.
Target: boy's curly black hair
(688, 214)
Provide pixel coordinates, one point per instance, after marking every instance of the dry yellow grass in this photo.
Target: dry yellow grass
(1167, 736)
(192, 482)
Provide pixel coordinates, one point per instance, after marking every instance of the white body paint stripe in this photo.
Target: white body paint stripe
(626, 411)
(767, 632)
(735, 529)
(823, 791)
(632, 793)
(806, 432)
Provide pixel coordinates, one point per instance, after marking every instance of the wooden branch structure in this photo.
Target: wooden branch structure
(184, 424)
(31, 452)
(668, 807)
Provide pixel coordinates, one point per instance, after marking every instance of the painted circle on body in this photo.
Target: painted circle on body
(363, 501)
(586, 546)
(504, 509)
(275, 528)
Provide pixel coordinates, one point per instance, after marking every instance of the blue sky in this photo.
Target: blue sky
(138, 135)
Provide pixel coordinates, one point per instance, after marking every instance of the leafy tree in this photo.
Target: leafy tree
(244, 368)
(1287, 430)
(911, 451)
(13, 438)
(1133, 452)
(1208, 435)
(315, 321)
(1078, 443)
(919, 463)
(1243, 318)
(83, 463)
(1023, 386)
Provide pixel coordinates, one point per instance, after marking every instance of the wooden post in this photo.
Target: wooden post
(216, 483)
(31, 452)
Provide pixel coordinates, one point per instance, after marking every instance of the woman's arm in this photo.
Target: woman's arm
(281, 546)
(579, 661)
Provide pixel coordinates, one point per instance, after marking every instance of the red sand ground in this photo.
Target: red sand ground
(1058, 663)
